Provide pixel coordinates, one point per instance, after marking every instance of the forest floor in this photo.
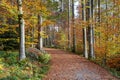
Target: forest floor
(68, 66)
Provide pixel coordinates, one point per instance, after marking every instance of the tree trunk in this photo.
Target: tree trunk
(74, 29)
(91, 31)
(99, 20)
(22, 31)
(69, 30)
(85, 43)
(84, 29)
(33, 32)
(62, 7)
(40, 40)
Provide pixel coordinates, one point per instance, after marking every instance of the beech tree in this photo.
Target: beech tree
(95, 32)
(85, 47)
(22, 31)
(40, 39)
(69, 28)
(91, 30)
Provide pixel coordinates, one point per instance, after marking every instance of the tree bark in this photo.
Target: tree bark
(22, 31)
(69, 29)
(62, 7)
(99, 20)
(84, 29)
(74, 29)
(40, 40)
(91, 31)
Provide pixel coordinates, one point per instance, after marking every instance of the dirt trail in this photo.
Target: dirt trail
(67, 66)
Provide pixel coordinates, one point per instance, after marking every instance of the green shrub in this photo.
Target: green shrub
(10, 78)
(44, 58)
(44, 69)
(115, 72)
(26, 69)
(10, 58)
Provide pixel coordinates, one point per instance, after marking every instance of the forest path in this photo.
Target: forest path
(68, 66)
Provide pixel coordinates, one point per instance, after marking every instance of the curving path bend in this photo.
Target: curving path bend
(68, 66)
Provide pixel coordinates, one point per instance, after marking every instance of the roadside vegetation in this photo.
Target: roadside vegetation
(28, 69)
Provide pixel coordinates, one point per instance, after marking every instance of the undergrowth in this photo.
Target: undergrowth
(13, 69)
(112, 65)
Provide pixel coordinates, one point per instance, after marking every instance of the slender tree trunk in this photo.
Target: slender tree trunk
(99, 20)
(40, 40)
(22, 31)
(45, 39)
(91, 31)
(84, 29)
(85, 42)
(52, 36)
(48, 38)
(69, 29)
(74, 29)
(33, 31)
(62, 7)
(99, 11)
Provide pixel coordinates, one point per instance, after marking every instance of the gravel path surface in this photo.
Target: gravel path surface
(68, 66)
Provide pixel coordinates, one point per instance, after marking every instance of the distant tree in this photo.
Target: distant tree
(69, 28)
(74, 29)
